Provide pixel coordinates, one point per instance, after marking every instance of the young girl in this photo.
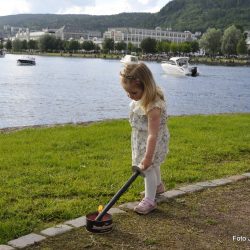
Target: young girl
(150, 135)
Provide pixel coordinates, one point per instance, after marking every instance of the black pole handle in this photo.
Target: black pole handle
(119, 193)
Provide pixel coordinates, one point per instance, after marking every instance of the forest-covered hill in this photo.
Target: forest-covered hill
(180, 15)
(198, 15)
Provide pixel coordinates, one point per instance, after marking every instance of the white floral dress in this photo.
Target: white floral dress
(139, 123)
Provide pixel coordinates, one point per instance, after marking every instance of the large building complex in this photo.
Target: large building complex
(135, 36)
(26, 34)
(64, 33)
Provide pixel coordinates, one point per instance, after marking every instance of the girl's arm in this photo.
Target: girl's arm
(153, 128)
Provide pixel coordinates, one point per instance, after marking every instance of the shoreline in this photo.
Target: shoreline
(220, 61)
(86, 123)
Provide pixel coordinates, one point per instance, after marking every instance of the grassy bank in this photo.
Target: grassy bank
(221, 61)
(49, 175)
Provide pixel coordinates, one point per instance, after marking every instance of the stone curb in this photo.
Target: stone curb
(199, 186)
(26, 240)
(32, 238)
(57, 230)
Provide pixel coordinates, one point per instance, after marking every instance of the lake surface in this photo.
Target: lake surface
(62, 90)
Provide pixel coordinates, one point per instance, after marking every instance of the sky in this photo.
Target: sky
(91, 7)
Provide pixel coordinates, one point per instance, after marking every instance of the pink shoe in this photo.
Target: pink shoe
(159, 190)
(145, 206)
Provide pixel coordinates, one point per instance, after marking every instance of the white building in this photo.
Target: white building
(135, 36)
(248, 39)
(25, 34)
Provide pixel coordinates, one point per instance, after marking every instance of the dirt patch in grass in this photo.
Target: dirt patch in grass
(217, 218)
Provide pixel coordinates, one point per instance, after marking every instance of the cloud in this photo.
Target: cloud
(13, 7)
(92, 7)
(101, 7)
(58, 6)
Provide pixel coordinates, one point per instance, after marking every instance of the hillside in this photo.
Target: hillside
(198, 15)
(78, 22)
(193, 15)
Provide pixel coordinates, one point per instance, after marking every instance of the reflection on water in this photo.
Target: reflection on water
(59, 90)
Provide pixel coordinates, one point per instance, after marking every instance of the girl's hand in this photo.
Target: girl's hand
(145, 164)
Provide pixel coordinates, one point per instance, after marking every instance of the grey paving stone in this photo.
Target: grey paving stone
(235, 178)
(115, 210)
(59, 229)
(173, 193)
(191, 188)
(161, 198)
(169, 195)
(206, 184)
(129, 205)
(26, 240)
(78, 222)
(5, 247)
(247, 175)
(221, 182)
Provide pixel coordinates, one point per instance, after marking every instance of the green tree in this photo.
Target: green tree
(8, 45)
(17, 45)
(47, 43)
(230, 39)
(194, 46)
(148, 45)
(74, 45)
(32, 44)
(160, 46)
(88, 45)
(173, 47)
(59, 44)
(242, 46)
(120, 46)
(131, 47)
(211, 41)
(166, 46)
(184, 47)
(24, 44)
(66, 45)
(108, 44)
(97, 47)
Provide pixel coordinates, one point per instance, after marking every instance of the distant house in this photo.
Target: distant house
(135, 36)
(81, 34)
(248, 39)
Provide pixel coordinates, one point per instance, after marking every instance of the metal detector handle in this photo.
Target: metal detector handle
(119, 193)
(136, 168)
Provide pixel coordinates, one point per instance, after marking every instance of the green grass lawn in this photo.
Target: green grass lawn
(50, 175)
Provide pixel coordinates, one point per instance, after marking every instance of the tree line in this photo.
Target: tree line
(48, 43)
(214, 42)
(230, 42)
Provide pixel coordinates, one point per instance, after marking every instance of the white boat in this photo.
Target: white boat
(179, 66)
(2, 53)
(28, 60)
(129, 59)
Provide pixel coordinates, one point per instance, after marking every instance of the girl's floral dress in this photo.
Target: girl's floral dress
(139, 123)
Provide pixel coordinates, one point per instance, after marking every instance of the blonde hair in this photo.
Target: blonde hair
(140, 76)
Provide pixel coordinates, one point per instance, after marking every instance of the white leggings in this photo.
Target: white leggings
(151, 180)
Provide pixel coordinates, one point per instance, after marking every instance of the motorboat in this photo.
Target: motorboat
(179, 66)
(2, 53)
(28, 60)
(129, 59)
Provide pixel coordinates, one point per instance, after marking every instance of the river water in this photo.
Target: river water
(62, 90)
